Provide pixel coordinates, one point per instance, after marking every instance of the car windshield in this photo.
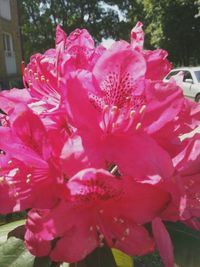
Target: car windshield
(197, 74)
(172, 73)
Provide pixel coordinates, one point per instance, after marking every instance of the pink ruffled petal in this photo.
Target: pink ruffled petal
(137, 37)
(155, 165)
(163, 242)
(76, 244)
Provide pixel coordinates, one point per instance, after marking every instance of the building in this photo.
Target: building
(10, 45)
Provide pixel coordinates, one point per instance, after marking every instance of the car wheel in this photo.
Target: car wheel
(197, 98)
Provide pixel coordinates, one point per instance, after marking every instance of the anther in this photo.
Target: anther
(138, 126)
(101, 211)
(114, 125)
(105, 108)
(10, 162)
(28, 178)
(114, 108)
(101, 237)
(132, 113)
(91, 228)
(98, 228)
(127, 232)
(115, 219)
(142, 109)
(16, 194)
(121, 221)
(1, 179)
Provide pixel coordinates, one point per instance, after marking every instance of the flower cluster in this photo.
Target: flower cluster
(92, 147)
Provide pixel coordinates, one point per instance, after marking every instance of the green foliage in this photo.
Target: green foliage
(171, 24)
(39, 19)
(186, 243)
(14, 254)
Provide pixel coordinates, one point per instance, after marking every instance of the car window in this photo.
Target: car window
(172, 73)
(187, 75)
(197, 74)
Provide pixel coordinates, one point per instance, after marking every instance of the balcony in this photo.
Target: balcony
(10, 62)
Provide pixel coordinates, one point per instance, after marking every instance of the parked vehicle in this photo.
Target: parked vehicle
(191, 81)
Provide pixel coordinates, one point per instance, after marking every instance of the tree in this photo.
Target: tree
(174, 26)
(39, 20)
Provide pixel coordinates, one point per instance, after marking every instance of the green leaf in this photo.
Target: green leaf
(6, 228)
(122, 259)
(186, 243)
(14, 254)
(12, 250)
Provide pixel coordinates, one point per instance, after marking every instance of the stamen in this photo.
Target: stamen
(142, 109)
(132, 113)
(114, 109)
(138, 126)
(105, 108)
(28, 178)
(121, 221)
(127, 232)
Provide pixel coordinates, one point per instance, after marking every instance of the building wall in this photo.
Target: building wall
(11, 27)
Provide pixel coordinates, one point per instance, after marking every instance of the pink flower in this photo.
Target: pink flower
(157, 64)
(29, 168)
(100, 209)
(188, 173)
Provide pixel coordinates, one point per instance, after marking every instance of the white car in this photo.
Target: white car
(191, 81)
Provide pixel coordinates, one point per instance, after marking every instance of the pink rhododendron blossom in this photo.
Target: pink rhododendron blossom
(100, 206)
(28, 167)
(92, 147)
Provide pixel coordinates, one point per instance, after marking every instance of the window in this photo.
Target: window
(187, 75)
(5, 9)
(10, 59)
(7, 43)
(172, 74)
(197, 74)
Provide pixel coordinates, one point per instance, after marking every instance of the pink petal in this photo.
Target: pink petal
(76, 244)
(119, 64)
(137, 36)
(79, 108)
(9, 99)
(155, 164)
(29, 128)
(11, 144)
(157, 64)
(137, 243)
(163, 242)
